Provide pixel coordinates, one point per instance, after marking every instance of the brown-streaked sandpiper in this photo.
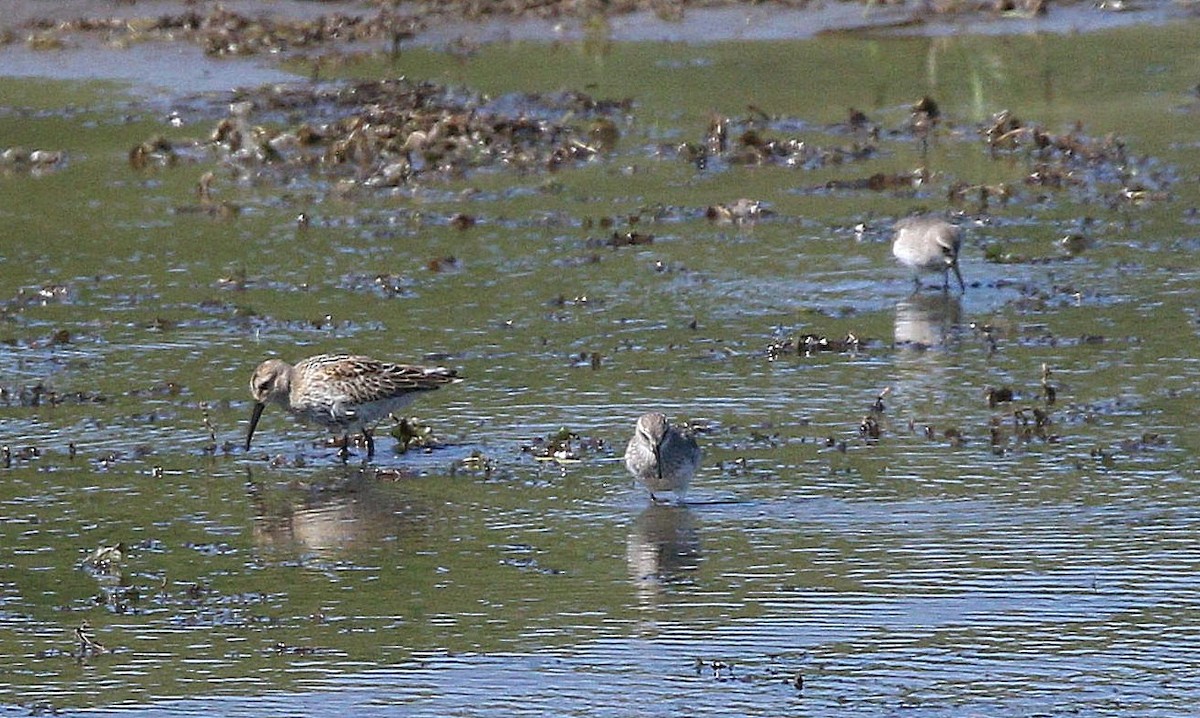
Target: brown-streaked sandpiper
(345, 393)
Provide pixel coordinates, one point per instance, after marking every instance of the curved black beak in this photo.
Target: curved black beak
(254, 417)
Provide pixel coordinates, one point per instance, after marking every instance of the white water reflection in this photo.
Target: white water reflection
(927, 320)
(351, 512)
(663, 548)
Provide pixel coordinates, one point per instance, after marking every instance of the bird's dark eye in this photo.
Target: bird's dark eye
(263, 387)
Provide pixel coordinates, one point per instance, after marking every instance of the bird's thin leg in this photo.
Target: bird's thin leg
(344, 450)
(370, 442)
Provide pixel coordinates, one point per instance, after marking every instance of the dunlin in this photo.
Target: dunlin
(348, 394)
(928, 244)
(661, 456)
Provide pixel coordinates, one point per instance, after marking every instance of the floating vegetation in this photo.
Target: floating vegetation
(462, 222)
(394, 474)
(481, 464)
(878, 406)
(806, 345)
(86, 646)
(869, 428)
(880, 182)
(388, 285)
(446, 263)
(157, 151)
(211, 446)
(743, 141)
(44, 41)
(42, 296)
(410, 433)
(40, 395)
(24, 453)
(18, 160)
(391, 133)
(106, 559)
(592, 360)
(1073, 160)
(997, 395)
(222, 31)
(1049, 391)
(1027, 422)
(742, 211)
(1075, 244)
(206, 203)
(629, 239)
(563, 447)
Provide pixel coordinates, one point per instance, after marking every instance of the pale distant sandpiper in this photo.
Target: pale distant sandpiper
(928, 244)
(661, 456)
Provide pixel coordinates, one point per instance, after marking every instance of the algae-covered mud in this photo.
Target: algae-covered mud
(975, 502)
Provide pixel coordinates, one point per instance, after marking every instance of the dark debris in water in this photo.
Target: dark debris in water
(354, 139)
(747, 141)
(388, 284)
(285, 649)
(392, 133)
(997, 395)
(741, 211)
(1109, 456)
(45, 295)
(18, 160)
(1101, 168)
(410, 433)
(807, 345)
(41, 395)
(394, 474)
(23, 454)
(529, 563)
(629, 239)
(870, 428)
(722, 670)
(880, 181)
(563, 447)
(479, 464)
(1092, 169)
(106, 559)
(224, 31)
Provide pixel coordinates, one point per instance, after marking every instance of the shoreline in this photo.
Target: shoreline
(120, 41)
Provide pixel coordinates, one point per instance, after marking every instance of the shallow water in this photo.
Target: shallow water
(968, 561)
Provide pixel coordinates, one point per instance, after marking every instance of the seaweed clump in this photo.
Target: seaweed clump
(396, 132)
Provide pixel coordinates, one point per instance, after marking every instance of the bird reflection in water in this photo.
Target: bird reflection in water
(340, 519)
(663, 548)
(925, 321)
(925, 327)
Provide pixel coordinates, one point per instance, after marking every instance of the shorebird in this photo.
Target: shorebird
(928, 244)
(349, 394)
(661, 456)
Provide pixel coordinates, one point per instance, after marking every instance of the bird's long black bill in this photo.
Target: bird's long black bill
(962, 286)
(254, 417)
